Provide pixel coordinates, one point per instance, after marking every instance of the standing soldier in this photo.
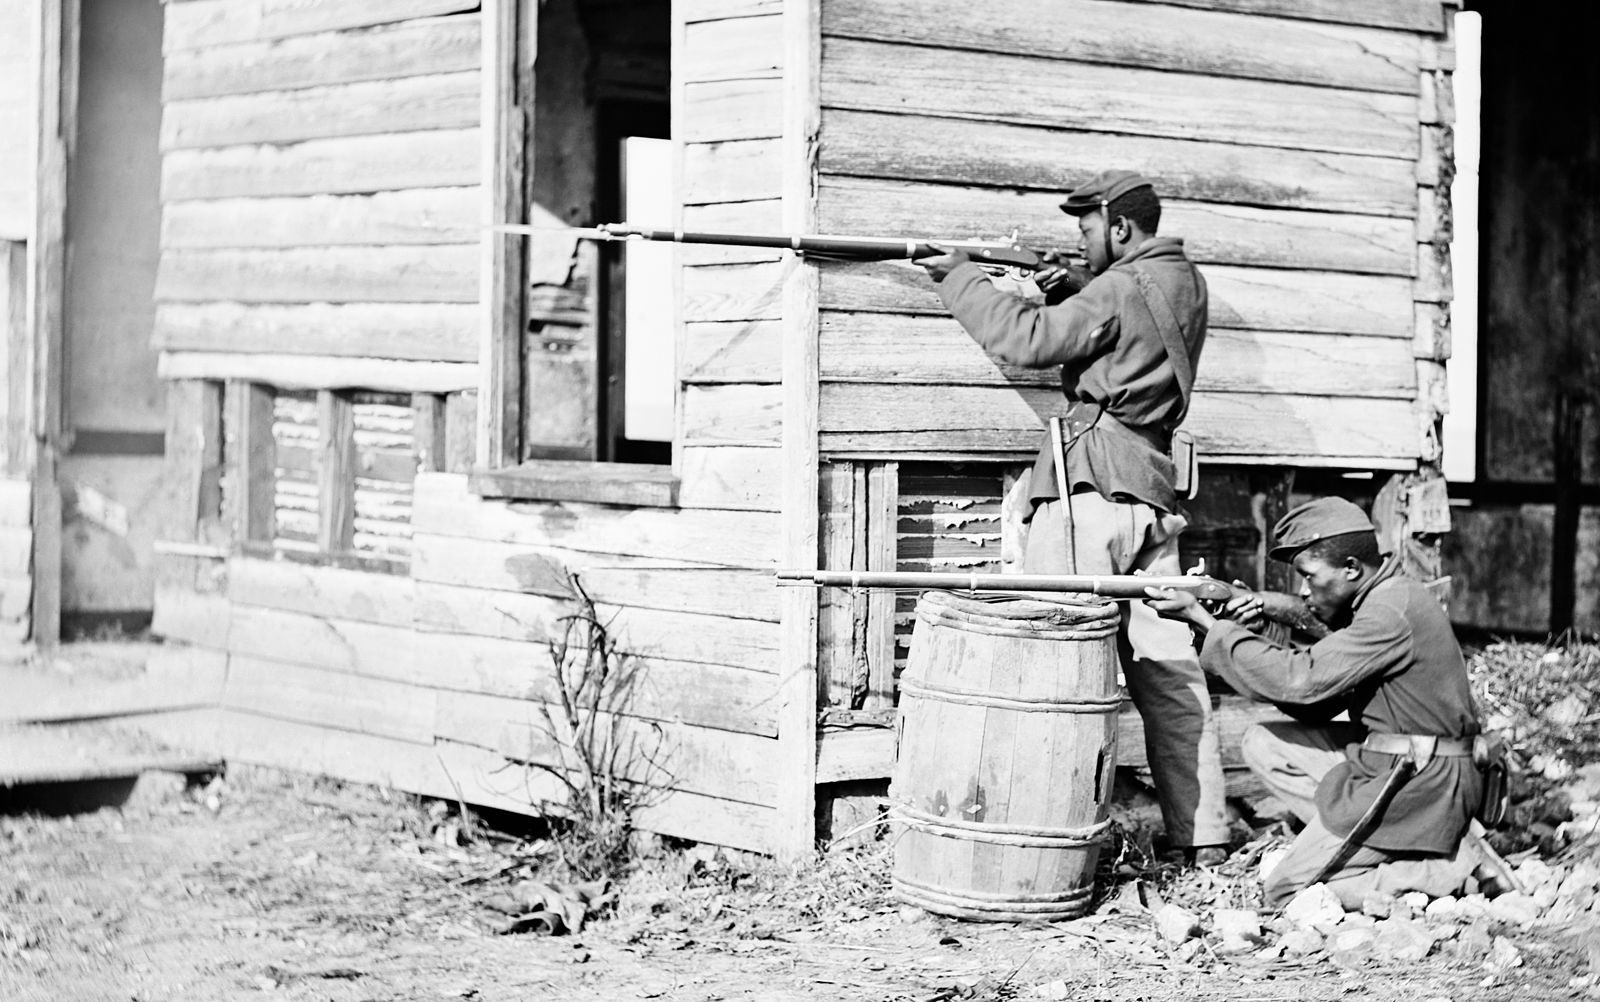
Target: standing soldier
(1103, 498)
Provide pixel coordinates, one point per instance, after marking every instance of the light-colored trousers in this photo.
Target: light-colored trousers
(1291, 759)
(1158, 657)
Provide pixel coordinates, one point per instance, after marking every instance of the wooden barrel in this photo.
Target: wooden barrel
(1008, 718)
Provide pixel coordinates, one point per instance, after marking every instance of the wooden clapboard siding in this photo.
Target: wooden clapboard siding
(323, 59)
(737, 478)
(888, 348)
(705, 694)
(675, 636)
(722, 110)
(444, 332)
(198, 618)
(732, 415)
(732, 48)
(760, 216)
(737, 351)
(18, 119)
(740, 170)
(1212, 233)
(1241, 298)
(441, 158)
(338, 699)
(201, 24)
(320, 372)
(371, 650)
(695, 759)
(374, 107)
(435, 274)
(1424, 15)
(444, 507)
(1065, 95)
(734, 292)
(1326, 430)
(609, 579)
(921, 148)
(716, 10)
(1219, 44)
(421, 216)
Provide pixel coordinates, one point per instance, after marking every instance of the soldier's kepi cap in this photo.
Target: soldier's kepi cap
(1102, 189)
(1315, 521)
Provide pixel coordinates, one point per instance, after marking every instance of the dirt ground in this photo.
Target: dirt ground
(267, 884)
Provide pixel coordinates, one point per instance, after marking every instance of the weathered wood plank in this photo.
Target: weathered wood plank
(447, 274)
(720, 110)
(1411, 15)
(375, 650)
(694, 759)
(732, 415)
(432, 332)
(1212, 233)
(252, 462)
(322, 591)
(1026, 90)
(172, 678)
(730, 477)
(732, 49)
(725, 697)
(734, 292)
(424, 216)
(716, 10)
(314, 372)
(330, 698)
(336, 472)
(887, 348)
(742, 170)
(918, 148)
(1241, 298)
(630, 485)
(373, 107)
(440, 158)
(203, 23)
(732, 352)
(441, 46)
(1203, 42)
(674, 636)
(879, 418)
(609, 579)
(443, 506)
(761, 216)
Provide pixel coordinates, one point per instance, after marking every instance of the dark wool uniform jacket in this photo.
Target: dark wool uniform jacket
(1397, 669)
(1110, 351)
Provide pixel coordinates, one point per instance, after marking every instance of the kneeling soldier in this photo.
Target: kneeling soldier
(1386, 798)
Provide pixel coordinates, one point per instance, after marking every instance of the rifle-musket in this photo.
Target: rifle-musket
(996, 253)
(1116, 586)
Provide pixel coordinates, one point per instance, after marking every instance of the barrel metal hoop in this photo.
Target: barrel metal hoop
(1049, 631)
(979, 697)
(1000, 834)
(1023, 901)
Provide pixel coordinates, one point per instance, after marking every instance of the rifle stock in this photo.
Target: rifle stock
(1117, 586)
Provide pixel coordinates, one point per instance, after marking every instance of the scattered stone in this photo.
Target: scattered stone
(1351, 940)
(1175, 924)
(1240, 929)
(1378, 905)
(1314, 906)
(1473, 906)
(1445, 909)
(1300, 942)
(1473, 942)
(1503, 956)
(1269, 862)
(1517, 909)
(1402, 939)
(1356, 920)
(1055, 991)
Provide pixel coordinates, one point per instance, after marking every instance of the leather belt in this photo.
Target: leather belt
(1401, 744)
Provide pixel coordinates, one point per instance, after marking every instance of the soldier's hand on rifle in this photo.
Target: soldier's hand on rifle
(1244, 608)
(941, 265)
(1175, 603)
(1061, 277)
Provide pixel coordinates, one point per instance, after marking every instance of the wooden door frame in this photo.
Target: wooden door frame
(57, 94)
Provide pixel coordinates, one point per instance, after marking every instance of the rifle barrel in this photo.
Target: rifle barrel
(996, 252)
(1119, 586)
